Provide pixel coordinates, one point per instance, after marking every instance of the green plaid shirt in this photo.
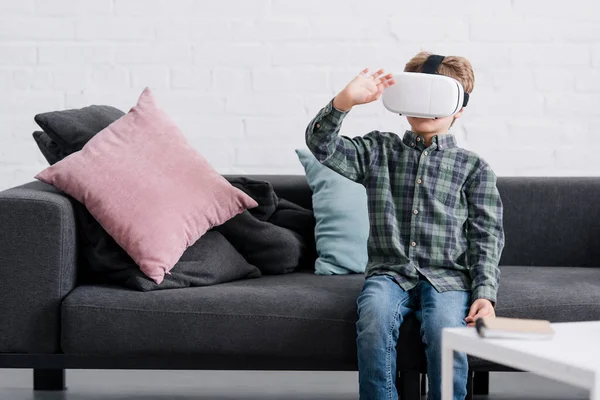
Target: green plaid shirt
(434, 211)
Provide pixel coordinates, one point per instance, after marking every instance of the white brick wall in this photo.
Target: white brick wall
(244, 77)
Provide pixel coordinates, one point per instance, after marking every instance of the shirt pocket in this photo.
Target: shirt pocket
(446, 184)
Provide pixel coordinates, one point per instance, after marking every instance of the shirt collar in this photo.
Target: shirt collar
(443, 141)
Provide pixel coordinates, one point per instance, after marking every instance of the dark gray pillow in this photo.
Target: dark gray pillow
(277, 236)
(273, 249)
(48, 147)
(209, 261)
(302, 221)
(70, 130)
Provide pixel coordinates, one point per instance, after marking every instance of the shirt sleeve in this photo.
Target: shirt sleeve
(349, 157)
(485, 234)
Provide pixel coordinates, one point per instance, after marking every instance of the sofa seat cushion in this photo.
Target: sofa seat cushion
(296, 315)
(557, 294)
(299, 315)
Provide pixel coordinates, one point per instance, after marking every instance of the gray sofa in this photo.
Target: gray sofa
(52, 320)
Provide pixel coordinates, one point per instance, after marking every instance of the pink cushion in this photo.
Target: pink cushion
(149, 189)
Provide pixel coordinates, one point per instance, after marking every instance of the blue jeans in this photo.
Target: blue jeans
(382, 306)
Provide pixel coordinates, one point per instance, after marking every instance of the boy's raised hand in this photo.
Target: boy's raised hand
(363, 89)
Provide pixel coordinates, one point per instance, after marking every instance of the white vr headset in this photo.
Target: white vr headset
(425, 94)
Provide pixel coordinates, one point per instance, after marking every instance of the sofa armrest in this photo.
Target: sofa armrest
(37, 266)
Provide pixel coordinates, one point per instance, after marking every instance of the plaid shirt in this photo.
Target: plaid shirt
(434, 211)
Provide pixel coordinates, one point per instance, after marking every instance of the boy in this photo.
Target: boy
(436, 231)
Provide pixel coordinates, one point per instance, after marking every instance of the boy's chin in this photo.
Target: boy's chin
(427, 125)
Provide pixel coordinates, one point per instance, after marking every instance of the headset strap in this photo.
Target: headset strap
(432, 63)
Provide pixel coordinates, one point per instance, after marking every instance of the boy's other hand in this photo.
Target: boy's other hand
(363, 89)
(479, 309)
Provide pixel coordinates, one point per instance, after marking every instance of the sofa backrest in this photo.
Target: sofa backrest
(548, 221)
(551, 221)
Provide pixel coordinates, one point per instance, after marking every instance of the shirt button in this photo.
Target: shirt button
(412, 144)
(415, 212)
(425, 153)
(419, 181)
(413, 244)
(418, 139)
(318, 126)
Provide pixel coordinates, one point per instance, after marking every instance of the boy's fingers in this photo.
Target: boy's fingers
(387, 80)
(387, 83)
(364, 71)
(377, 74)
(484, 312)
(472, 311)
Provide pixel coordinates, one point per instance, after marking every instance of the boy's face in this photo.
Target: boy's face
(427, 126)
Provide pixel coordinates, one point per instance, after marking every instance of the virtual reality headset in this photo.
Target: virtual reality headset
(425, 94)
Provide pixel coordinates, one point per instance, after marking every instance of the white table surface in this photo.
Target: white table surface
(571, 356)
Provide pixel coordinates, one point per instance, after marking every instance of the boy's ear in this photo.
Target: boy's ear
(456, 116)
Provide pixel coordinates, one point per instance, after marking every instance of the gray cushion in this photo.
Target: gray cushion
(290, 187)
(72, 129)
(50, 150)
(273, 249)
(209, 261)
(295, 315)
(558, 294)
(276, 236)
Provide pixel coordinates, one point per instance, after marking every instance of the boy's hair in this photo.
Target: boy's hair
(455, 67)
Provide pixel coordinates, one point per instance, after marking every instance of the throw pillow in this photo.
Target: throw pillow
(70, 130)
(302, 221)
(342, 220)
(273, 249)
(50, 150)
(149, 189)
(209, 261)
(277, 236)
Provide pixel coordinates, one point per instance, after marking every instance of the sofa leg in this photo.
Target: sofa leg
(408, 385)
(49, 379)
(481, 383)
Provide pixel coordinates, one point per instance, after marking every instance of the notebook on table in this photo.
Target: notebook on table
(513, 328)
